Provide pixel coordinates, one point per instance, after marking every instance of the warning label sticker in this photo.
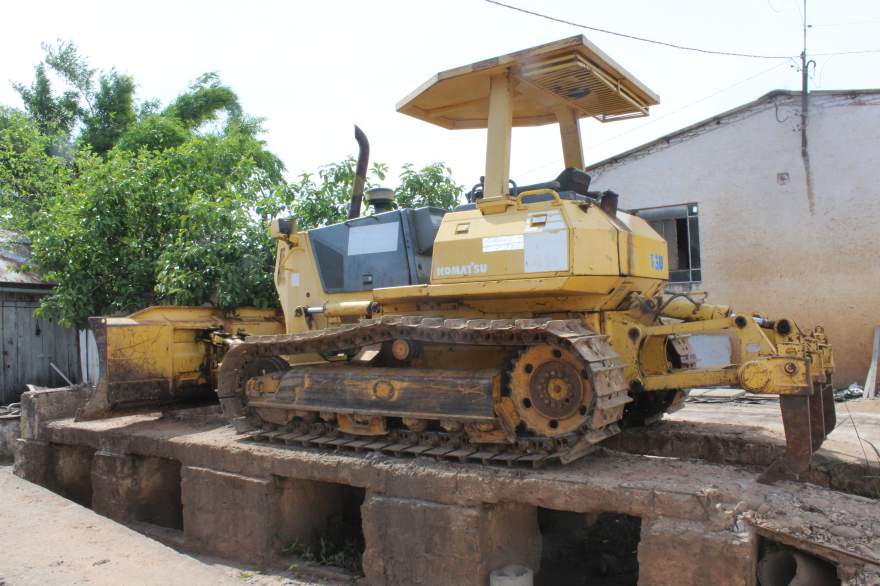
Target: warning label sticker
(502, 243)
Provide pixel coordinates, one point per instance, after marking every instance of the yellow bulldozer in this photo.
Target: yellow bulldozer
(524, 327)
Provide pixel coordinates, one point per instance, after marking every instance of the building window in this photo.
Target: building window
(680, 227)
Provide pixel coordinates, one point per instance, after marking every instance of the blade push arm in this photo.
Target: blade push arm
(767, 357)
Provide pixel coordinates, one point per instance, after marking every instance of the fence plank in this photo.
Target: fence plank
(10, 351)
(2, 353)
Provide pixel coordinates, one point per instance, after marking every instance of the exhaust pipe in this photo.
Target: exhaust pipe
(360, 173)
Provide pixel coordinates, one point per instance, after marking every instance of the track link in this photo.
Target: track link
(603, 366)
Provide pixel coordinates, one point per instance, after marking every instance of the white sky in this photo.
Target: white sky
(314, 68)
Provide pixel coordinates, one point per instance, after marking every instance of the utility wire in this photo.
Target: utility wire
(654, 120)
(862, 52)
(635, 38)
(858, 437)
(852, 23)
(801, 12)
(688, 105)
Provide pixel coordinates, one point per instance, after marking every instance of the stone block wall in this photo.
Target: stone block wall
(420, 522)
(412, 541)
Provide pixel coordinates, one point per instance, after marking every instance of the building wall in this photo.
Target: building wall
(764, 245)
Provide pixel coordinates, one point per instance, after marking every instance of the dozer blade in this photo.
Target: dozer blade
(163, 355)
(807, 419)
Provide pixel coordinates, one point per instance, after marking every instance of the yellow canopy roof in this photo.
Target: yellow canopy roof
(571, 73)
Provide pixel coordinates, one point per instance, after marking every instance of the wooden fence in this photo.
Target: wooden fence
(31, 346)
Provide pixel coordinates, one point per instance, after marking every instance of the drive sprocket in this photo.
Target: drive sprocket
(551, 390)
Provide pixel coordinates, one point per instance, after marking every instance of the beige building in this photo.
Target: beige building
(731, 196)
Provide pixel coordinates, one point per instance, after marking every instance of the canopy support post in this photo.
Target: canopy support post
(498, 144)
(569, 131)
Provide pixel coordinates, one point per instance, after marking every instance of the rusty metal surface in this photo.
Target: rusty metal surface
(798, 439)
(132, 384)
(601, 365)
(549, 390)
(830, 415)
(390, 392)
(817, 420)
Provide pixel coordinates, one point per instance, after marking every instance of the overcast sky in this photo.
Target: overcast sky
(314, 68)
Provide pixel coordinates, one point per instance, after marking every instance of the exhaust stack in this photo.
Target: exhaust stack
(360, 173)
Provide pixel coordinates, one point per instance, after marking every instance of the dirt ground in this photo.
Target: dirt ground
(51, 540)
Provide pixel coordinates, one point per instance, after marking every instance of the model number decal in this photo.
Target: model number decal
(461, 270)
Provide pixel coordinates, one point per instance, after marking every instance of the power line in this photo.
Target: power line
(851, 23)
(688, 105)
(862, 52)
(801, 12)
(664, 116)
(635, 38)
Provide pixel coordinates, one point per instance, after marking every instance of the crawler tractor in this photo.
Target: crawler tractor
(525, 326)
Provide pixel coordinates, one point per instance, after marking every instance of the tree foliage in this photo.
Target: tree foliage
(30, 176)
(430, 186)
(53, 115)
(323, 198)
(186, 225)
(112, 112)
(206, 97)
(129, 204)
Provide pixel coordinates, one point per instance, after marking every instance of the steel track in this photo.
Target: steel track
(602, 366)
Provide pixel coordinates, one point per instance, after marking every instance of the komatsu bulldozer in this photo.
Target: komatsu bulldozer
(525, 326)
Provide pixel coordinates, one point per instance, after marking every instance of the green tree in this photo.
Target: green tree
(103, 105)
(186, 225)
(206, 97)
(324, 199)
(64, 59)
(153, 206)
(30, 177)
(159, 205)
(203, 102)
(53, 115)
(111, 114)
(430, 186)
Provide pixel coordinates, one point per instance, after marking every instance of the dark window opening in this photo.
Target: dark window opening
(679, 226)
(599, 549)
